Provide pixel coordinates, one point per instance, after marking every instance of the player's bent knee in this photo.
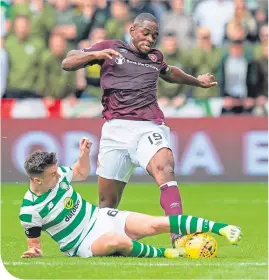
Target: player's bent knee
(164, 169)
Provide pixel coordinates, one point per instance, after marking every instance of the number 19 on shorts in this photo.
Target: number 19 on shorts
(154, 137)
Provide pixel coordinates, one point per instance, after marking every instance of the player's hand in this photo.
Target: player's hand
(107, 53)
(32, 253)
(85, 145)
(207, 80)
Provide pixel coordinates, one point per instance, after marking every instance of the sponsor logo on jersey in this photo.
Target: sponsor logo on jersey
(119, 59)
(153, 57)
(72, 212)
(142, 64)
(64, 186)
(68, 203)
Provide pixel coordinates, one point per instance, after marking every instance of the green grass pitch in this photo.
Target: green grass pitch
(241, 204)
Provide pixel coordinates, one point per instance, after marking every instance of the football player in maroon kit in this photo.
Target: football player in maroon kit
(135, 133)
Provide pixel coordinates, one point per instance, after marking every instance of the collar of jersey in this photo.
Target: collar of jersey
(41, 197)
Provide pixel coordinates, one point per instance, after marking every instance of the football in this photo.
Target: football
(200, 246)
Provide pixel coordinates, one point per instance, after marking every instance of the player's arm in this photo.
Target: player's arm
(178, 76)
(82, 168)
(34, 243)
(77, 59)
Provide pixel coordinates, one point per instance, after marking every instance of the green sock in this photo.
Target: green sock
(143, 250)
(183, 224)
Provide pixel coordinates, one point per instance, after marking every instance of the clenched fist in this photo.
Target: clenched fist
(85, 145)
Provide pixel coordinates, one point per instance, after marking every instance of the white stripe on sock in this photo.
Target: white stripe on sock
(169, 184)
(211, 224)
(148, 251)
(155, 252)
(200, 224)
(188, 224)
(179, 219)
(142, 248)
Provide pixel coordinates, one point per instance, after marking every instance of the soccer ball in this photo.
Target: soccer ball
(200, 246)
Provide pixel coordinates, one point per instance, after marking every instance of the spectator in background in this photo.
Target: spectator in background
(205, 58)
(102, 12)
(53, 81)
(40, 13)
(214, 14)
(120, 15)
(159, 7)
(19, 8)
(84, 20)
(236, 80)
(243, 17)
(141, 6)
(261, 18)
(43, 18)
(4, 66)
(261, 103)
(65, 25)
(263, 36)
(24, 54)
(168, 93)
(237, 32)
(179, 23)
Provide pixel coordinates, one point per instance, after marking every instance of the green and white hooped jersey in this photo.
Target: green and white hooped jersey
(61, 212)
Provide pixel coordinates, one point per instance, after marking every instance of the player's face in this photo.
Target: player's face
(144, 36)
(50, 177)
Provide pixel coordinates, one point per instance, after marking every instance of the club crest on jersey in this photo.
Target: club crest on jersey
(64, 186)
(68, 203)
(50, 205)
(119, 59)
(152, 57)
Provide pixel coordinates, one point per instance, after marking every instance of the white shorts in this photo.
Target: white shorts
(126, 144)
(108, 220)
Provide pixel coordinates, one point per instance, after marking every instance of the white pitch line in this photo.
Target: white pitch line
(101, 263)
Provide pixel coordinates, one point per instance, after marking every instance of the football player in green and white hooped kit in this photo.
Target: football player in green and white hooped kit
(83, 229)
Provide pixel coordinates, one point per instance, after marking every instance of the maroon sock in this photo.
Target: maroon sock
(170, 199)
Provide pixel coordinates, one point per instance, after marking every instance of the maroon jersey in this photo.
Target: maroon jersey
(129, 82)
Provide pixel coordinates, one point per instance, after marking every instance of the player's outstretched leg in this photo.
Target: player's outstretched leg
(140, 225)
(111, 243)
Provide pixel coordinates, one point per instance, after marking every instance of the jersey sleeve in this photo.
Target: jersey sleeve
(107, 44)
(66, 172)
(164, 65)
(31, 222)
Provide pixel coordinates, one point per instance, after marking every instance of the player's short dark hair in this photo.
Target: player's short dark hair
(38, 161)
(145, 17)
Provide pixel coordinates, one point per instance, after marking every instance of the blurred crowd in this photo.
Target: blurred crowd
(228, 38)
